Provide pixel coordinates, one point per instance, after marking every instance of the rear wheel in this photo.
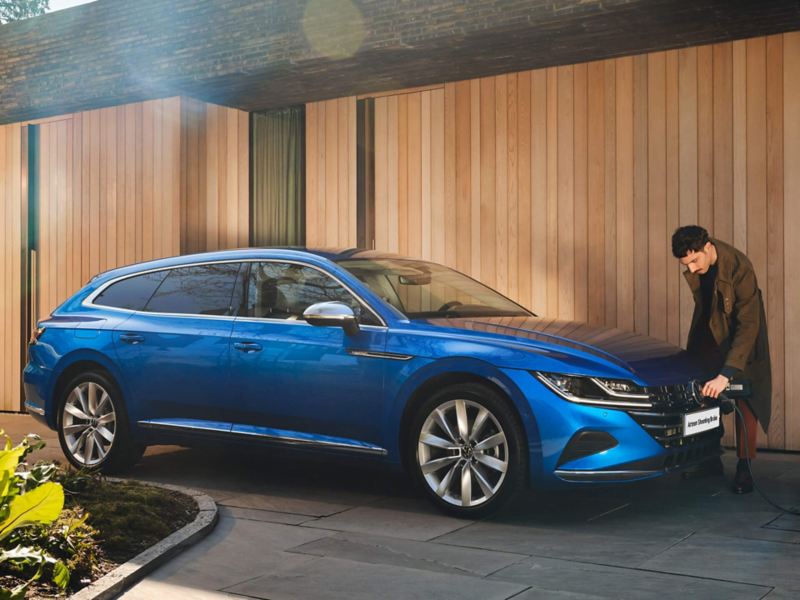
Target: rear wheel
(93, 425)
(466, 450)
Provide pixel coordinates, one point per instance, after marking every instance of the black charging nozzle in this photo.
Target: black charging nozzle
(725, 404)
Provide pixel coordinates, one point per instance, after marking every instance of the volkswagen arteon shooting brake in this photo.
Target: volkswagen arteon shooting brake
(360, 352)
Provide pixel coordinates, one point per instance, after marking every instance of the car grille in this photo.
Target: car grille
(664, 421)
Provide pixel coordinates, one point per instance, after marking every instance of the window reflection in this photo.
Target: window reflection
(285, 290)
(197, 290)
(131, 293)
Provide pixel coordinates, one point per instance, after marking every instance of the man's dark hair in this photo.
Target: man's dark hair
(689, 238)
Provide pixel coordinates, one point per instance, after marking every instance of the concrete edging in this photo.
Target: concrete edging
(115, 582)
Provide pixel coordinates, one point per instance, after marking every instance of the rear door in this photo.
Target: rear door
(175, 354)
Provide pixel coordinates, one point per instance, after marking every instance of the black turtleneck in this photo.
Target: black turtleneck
(706, 344)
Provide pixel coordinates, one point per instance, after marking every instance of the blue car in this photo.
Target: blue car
(364, 353)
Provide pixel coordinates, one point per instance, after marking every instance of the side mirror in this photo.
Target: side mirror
(336, 314)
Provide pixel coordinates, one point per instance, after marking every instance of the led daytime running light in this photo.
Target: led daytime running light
(568, 387)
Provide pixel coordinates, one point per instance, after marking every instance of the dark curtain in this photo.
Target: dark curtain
(278, 211)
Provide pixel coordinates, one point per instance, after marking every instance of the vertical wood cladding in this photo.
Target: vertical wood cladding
(561, 187)
(118, 186)
(214, 170)
(109, 194)
(10, 265)
(331, 182)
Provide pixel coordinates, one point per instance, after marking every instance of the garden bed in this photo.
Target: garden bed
(103, 524)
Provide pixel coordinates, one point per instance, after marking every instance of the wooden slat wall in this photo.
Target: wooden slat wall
(561, 187)
(109, 193)
(331, 173)
(10, 275)
(119, 185)
(215, 185)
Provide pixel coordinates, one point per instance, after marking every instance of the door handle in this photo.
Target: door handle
(247, 347)
(131, 338)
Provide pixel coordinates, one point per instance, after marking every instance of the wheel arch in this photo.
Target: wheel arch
(72, 365)
(451, 372)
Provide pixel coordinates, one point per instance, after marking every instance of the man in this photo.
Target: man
(728, 334)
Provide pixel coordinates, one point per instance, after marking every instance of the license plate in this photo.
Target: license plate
(698, 422)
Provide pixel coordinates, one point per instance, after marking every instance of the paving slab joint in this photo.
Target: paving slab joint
(125, 575)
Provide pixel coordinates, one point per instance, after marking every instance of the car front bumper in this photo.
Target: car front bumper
(647, 445)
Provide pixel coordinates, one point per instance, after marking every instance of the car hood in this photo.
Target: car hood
(656, 362)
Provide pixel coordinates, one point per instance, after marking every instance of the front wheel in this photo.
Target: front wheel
(92, 425)
(467, 450)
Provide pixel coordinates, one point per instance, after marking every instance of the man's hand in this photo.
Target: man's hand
(713, 388)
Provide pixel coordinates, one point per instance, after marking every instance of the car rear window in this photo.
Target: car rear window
(197, 290)
(131, 293)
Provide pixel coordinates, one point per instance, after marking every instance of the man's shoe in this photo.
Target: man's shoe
(707, 468)
(743, 481)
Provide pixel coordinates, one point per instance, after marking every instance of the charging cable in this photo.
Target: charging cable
(726, 404)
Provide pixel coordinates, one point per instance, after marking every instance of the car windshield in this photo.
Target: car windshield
(422, 290)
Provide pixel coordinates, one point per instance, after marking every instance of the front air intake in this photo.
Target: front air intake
(586, 443)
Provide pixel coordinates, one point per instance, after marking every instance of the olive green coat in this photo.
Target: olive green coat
(738, 324)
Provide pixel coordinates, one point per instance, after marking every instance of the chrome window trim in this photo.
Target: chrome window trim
(88, 302)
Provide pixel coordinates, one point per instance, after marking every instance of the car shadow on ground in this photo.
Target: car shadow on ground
(231, 473)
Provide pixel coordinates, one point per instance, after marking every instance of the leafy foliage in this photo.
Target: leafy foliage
(16, 10)
(27, 500)
(71, 541)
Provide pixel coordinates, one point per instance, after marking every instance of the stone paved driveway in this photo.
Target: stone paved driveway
(295, 528)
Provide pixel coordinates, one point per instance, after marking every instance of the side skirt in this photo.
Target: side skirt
(280, 437)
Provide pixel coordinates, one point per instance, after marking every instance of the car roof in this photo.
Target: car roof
(286, 252)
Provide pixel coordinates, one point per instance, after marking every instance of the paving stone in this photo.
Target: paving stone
(781, 594)
(148, 590)
(237, 550)
(298, 505)
(600, 581)
(733, 559)
(411, 554)
(266, 516)
(534, 593)
(785, 523)
(329, 578)
(628, 544)
(407, 518)
(763, 533)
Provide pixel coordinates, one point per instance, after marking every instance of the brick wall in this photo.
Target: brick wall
(255, 54)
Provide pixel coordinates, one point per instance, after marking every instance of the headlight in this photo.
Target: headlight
(615, 393)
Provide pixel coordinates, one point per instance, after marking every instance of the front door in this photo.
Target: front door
(299, 382)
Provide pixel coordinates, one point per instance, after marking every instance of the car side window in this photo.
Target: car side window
(284, 291)
(197, 290)
(131, 293)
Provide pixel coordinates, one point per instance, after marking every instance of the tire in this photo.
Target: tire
(93, 427)
(473, 475)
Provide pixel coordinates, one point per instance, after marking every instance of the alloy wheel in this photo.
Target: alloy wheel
(89, 423)
(463, 453)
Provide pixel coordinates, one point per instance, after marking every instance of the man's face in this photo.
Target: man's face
(698, 262)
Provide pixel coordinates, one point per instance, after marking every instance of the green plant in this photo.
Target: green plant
(28, 499)
(69, 539)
